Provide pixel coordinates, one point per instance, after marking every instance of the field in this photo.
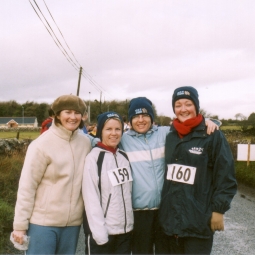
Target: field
(22, 134)
(230, 127)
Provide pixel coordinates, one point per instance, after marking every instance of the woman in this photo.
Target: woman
(200, 179)
(49, 203)
(106, 191)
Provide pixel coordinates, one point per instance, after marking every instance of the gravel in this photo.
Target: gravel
(238, 238)
(239, 235)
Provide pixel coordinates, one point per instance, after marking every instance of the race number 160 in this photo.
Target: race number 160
(181, 173)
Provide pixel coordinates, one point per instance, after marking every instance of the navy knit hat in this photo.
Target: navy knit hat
(186, 92)
(102, 118)
(140, 105)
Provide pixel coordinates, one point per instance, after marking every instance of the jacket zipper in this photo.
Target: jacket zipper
(125, 226)
(69, 213)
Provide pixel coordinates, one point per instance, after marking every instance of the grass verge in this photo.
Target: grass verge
(10, 169)
(23, 135)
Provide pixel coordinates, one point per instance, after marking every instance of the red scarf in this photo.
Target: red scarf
(111, 149)
(184, 128)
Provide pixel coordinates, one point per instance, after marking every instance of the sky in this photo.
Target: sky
(131, 48)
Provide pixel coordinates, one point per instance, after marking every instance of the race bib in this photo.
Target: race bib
(181, 173)
(120, 175)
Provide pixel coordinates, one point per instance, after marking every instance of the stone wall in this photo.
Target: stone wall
(13, 146)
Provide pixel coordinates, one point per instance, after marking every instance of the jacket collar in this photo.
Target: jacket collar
(62, 132)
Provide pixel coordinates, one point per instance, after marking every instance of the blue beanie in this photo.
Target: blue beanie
(140, 105)
(102, 118)
(186, 92)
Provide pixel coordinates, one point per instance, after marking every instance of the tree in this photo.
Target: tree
(162, 120)
(240, 116)
(204, 113)
(251, 119)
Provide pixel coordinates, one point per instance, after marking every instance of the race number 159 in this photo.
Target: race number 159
(181, 173)
(120, 175)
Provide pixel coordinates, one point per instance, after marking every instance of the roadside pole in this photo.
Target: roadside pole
(79, 81)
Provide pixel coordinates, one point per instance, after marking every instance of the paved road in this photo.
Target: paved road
(239, 235)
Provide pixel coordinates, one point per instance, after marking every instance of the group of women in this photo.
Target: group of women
(149, 190)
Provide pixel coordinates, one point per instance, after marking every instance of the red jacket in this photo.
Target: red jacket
(46, 124)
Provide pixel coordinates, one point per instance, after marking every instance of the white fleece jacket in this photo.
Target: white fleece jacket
(49, 191)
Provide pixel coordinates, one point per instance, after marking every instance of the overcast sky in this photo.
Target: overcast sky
(131, 48)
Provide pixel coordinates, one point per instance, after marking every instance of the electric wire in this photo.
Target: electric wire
(63, 50)
(53, 37)
(56, 36)
(61, 33)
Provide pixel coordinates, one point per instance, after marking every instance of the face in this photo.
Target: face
(141, 123)
(184, 109)
(111, 133)
(70, 119)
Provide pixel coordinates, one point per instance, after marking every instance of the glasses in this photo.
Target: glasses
(143, 116)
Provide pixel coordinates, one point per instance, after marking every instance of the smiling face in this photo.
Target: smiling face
(111, 133)
(184, 109)
(141, 123)
(70, 119)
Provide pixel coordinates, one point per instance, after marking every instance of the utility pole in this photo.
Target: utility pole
(100, 101)
(79, 81)
(22, 115)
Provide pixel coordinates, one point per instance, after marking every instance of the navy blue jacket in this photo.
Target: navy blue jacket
(186, 209)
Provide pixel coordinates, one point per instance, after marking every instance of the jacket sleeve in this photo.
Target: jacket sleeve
(91, 197)
(224, 181)
(32, 173)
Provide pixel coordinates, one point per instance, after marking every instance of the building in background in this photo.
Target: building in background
(14, 122)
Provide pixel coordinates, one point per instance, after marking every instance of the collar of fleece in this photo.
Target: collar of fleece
(103, 146)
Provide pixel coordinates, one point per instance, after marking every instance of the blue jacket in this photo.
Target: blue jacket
(186, 209)
(146, 153)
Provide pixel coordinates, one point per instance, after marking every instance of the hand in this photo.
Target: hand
(217, 222)
(211, 126)
(18, 235)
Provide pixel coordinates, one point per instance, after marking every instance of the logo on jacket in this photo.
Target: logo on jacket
(196, 150)
(140, 111)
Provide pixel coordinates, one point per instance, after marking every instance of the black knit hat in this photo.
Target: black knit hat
(102, 118)
(69, 102)
(140, 105)
(186, 92)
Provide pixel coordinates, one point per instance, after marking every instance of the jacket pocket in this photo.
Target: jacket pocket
(41, 197)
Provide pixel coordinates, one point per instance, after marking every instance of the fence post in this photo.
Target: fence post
(248, 156)
(17, 135)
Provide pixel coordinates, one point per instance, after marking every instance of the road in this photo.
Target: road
(239, 235)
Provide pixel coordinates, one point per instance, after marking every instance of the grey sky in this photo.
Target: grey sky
(132, 48)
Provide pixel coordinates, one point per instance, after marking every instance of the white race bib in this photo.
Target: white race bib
(181, 173)
(120, 175)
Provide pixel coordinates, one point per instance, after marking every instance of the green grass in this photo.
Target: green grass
(230, 128)
(22, 135)
(10, 169)
(245, 174)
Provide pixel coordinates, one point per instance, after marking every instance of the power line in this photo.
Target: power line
(61, 47)
(61, 33)
(59, 43)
